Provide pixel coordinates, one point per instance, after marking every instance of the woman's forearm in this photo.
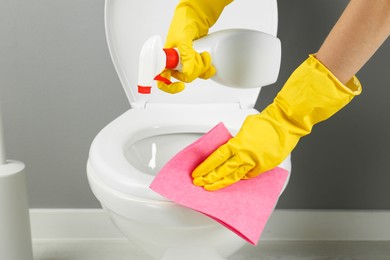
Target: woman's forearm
(360, 31)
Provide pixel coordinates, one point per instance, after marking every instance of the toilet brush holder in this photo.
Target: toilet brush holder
(15, 232)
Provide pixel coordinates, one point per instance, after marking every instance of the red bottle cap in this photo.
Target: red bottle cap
(172, 58)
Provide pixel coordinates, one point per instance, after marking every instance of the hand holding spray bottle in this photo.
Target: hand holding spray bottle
(243, 58)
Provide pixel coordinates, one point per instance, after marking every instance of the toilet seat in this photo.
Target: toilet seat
(107, 154)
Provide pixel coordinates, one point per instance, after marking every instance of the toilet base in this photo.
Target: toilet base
(192, 253)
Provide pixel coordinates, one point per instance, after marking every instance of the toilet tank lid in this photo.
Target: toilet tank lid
(126, 34)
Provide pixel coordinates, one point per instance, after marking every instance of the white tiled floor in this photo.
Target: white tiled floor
(119, 249)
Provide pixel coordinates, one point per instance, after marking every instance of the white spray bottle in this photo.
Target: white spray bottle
(243, 58)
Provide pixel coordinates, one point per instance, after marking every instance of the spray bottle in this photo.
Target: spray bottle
(243, 58)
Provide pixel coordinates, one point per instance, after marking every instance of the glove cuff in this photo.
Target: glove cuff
(312, 94)
(352, 87)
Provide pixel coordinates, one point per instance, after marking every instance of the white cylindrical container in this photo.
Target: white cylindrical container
(15, 232)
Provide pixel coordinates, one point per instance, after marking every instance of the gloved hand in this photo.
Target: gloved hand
(191, 20)
(312, 94)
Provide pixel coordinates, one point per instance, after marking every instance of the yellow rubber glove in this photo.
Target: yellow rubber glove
(312, 94)
(191, 20)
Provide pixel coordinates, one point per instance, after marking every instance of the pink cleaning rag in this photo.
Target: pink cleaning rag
(243, 207)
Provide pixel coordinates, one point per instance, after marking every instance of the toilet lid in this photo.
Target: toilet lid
(129, 24)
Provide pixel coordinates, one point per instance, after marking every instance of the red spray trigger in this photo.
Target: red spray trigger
(171, 62)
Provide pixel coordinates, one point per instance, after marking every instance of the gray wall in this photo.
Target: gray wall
(59, 88)
(345, 162)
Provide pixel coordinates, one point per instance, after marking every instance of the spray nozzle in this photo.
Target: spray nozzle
(153, 59)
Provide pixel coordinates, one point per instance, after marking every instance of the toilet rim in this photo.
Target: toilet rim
(107, 161)
(107, 158)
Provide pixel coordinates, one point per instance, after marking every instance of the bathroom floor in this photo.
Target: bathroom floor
(121, 249)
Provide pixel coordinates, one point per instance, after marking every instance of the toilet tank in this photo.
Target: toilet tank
(129, 24)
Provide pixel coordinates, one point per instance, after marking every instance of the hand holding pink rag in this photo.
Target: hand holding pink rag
(243, 207)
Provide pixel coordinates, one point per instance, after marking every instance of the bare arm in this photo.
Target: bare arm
(360, 31)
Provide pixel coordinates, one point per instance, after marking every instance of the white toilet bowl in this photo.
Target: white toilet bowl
(127, 154)
(123, 161)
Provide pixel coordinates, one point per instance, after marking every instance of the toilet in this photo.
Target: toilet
(127, 154)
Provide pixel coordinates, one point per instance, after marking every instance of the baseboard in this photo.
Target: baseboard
(334, 225)
(72, 224)
(317, 225)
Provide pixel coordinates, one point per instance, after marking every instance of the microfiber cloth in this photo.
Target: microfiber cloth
(243, 207)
